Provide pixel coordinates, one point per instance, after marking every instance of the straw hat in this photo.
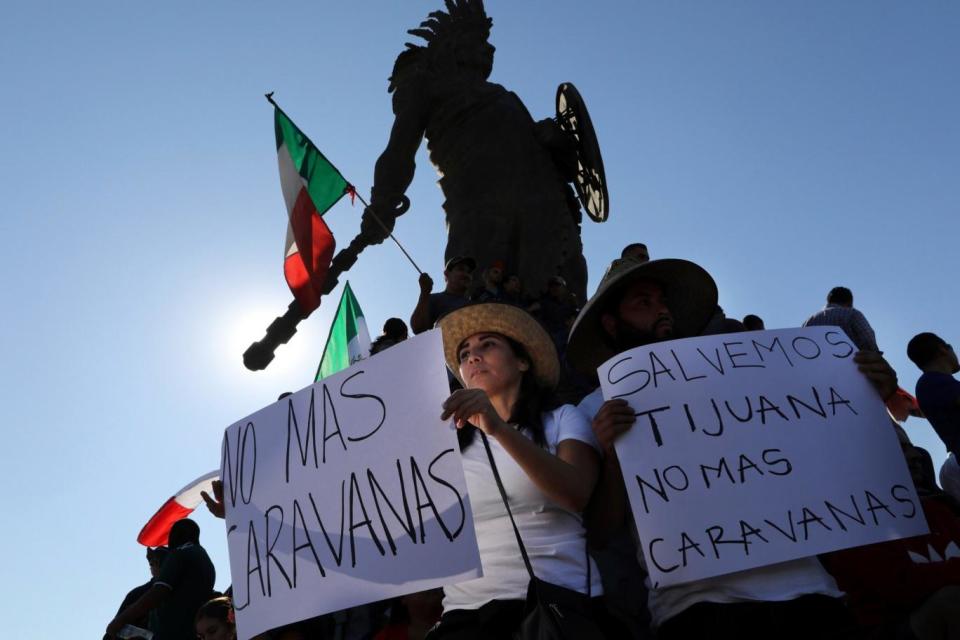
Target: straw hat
(691, 296)
(507, 320)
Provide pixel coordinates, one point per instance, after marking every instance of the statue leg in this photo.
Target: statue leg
(574, 271)
(480, 235)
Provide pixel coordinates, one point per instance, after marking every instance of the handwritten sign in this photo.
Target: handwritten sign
(756, 448)
(347, 492)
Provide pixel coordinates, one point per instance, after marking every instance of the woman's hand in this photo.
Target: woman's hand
(473, 406)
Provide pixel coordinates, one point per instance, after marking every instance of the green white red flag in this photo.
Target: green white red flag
(349, 339)
(311, 185)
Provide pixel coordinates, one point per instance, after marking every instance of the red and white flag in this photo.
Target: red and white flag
(181, 505)
(311, 185)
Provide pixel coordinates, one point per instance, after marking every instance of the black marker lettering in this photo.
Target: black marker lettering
(739, 354)
(839, 343)
(611, 380)
(819, 410)
(875, 504)
(653, 557)
(906, 499)
(360, 396)
(271, 544)
(834, 510)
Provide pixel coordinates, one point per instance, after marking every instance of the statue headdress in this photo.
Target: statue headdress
(441, 30)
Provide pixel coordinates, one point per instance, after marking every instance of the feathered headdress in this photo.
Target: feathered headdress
(441, 30)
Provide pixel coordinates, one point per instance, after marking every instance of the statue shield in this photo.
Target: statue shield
(590, 181)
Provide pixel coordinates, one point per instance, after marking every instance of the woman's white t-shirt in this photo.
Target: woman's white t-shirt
(553, 536)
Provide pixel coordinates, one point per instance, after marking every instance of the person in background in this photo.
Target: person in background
(950, 477)
(938, 391)
(215, 620)
(546, 457)
(394, 332)
(491, 288)
(458, 274)
(641, 303)
(513, 291)
(753, 323)
(732, 325)
(839, 312)
(637, 251)
(155, 558)
(556, 311)
(185, 582)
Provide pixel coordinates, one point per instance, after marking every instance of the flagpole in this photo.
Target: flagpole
(260, 353)
(367, 207)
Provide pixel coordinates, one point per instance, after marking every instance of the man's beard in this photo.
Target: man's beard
(628, 337)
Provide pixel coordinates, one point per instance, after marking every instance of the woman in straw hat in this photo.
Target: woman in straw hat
(547, 458)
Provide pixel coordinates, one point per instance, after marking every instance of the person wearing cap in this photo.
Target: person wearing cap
(639, 303)
(547, 458)
(458, 274)
(636, 250)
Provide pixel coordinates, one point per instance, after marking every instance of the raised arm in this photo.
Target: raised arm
(395, 166)
(567, 478)
(420, 318)
(147, 602)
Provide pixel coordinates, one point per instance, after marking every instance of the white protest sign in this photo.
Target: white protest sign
(347, 492)
(755, 448)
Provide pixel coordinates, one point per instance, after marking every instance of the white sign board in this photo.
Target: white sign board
(755, 448)
(347, 492)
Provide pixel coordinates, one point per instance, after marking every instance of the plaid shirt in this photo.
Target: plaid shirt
(848, 319)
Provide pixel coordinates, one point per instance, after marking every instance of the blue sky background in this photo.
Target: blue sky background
(786, 146)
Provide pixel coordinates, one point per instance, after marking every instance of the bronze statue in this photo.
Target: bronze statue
(505, 177)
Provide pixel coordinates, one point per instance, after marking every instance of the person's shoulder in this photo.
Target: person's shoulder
(935, 379)
(192, 552)
(935, 390)
(568, 422)
(591, 403)
(563, 415)
(813, 317)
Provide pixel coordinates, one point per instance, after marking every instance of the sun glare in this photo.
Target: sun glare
(241, 327)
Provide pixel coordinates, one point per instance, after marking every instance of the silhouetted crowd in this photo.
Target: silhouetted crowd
(522, 376)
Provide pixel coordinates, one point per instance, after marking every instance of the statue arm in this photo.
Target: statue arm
(393, 172)
(562, 147)
(395, 166)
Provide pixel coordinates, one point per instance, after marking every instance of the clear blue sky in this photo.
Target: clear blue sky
(786, 146)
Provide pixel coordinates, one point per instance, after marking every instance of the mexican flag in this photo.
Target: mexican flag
(181, 505)
(348, 340)
(311, 185)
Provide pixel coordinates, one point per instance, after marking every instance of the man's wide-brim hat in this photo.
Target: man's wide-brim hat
(691, 297)
(507, 320)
